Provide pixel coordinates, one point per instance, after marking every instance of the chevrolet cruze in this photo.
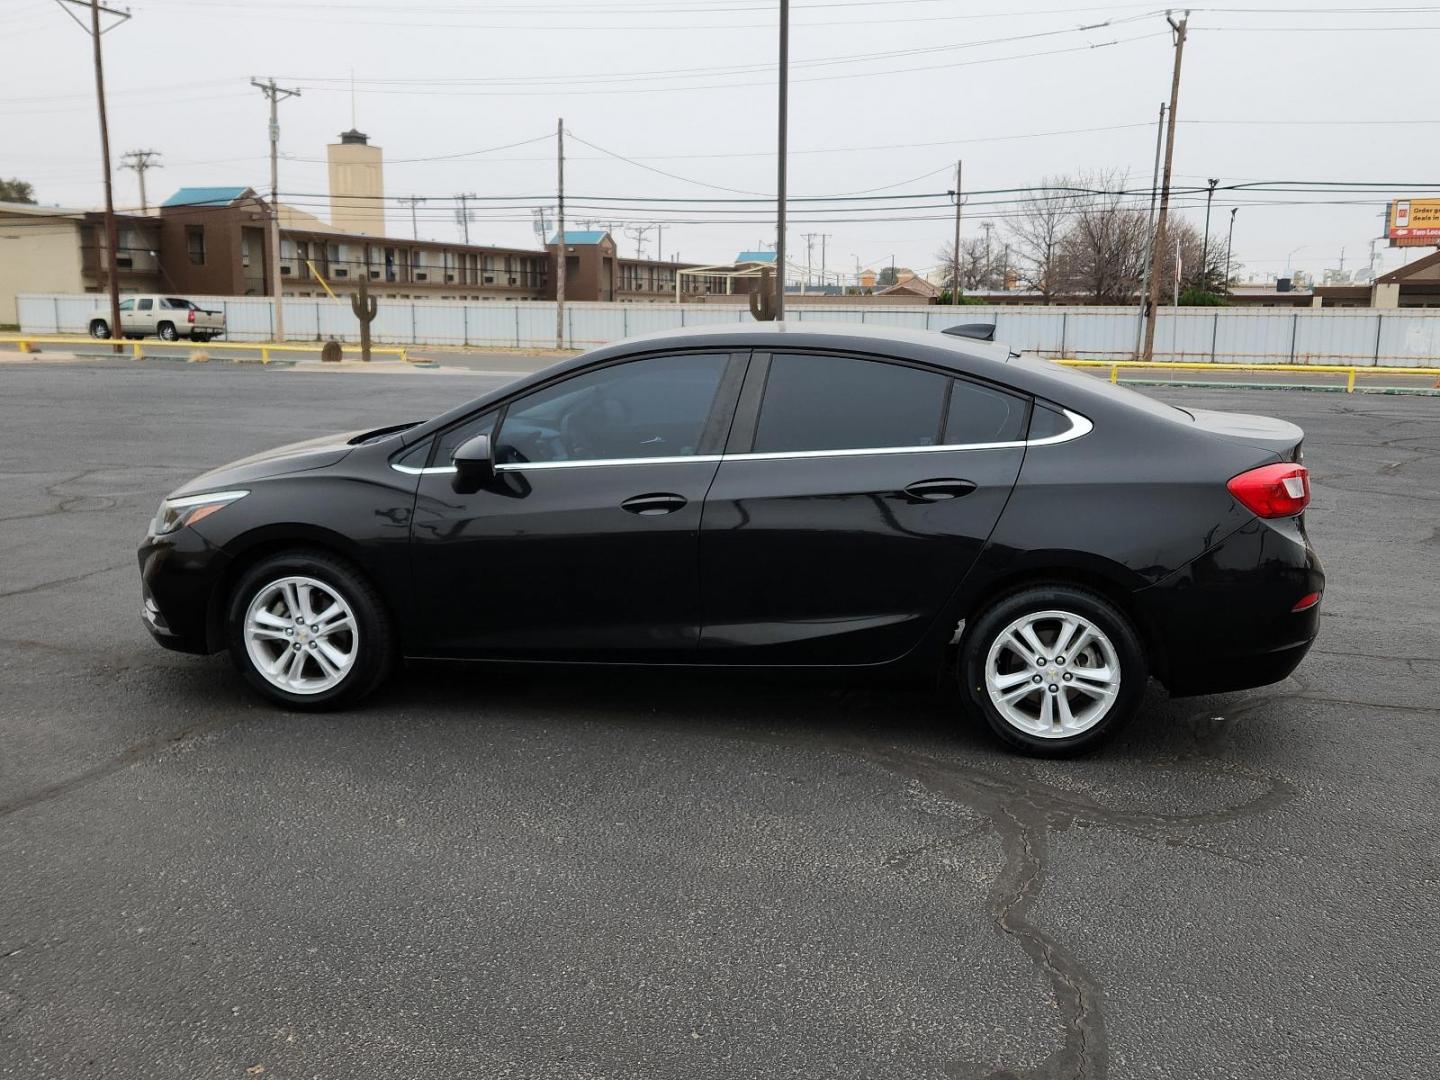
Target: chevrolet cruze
(767, 495)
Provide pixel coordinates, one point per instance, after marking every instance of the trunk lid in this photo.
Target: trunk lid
(1263, 432)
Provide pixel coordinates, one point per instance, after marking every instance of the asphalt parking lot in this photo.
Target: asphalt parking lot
(575, 875)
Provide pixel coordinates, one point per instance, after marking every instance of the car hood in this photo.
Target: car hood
(297, 457)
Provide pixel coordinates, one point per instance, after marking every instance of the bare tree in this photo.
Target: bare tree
(1104, 248)
(1037, 232)
(979, 269)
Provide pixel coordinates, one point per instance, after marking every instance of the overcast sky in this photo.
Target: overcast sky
(1272, 90)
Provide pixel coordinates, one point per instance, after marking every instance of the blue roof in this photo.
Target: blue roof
(205, 196)
(755, 256)
(589, 237)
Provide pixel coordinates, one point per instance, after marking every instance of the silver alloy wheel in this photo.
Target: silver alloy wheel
(1052, 674)
(301, 635)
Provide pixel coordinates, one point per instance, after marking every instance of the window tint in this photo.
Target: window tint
(817, 402)
(642, 409)
(176, 304)
(452, 439)
(127, 305)
(1047, 422)
(980, 414)
(146, 304)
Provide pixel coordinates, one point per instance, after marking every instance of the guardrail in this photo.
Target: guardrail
(1348, 370)
(264, 348)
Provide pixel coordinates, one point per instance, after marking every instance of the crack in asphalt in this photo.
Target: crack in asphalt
(57, 582)
(131, 755)
(1024, 812)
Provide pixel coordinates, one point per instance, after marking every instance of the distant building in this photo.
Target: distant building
(357, 184)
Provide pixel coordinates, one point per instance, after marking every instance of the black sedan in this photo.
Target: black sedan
(768, 495)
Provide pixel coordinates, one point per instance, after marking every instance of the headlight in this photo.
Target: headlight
(188, 509)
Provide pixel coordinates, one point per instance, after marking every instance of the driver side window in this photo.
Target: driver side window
(656, 407)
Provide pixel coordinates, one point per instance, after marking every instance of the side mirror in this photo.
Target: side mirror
(474, 465)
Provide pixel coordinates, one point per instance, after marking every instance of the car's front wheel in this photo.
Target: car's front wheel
(99, 328)
(308, 631)
(1054, 669)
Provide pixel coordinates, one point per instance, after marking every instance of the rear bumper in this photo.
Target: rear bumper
(1226, 621)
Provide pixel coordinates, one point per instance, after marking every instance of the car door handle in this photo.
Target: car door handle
(661, 502)
(938, 490)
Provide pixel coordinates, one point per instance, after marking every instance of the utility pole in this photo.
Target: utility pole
(809, 239)
(1150, 233)
(637, 233)
(955, 259)
(139, 161)
(824, 237)
(111, 239)
(560, 215)
(275, 94)
(1158, 252)
(1205, 244)
(464, 213)
(414, 201)
(781, 152)
(659, 241)
(1229, 247)
(988, 226)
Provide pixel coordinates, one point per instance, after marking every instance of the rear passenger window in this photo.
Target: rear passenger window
(981, 414)
(817, 402)
(1047, 423)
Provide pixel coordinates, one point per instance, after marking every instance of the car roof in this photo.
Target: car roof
(964, 356)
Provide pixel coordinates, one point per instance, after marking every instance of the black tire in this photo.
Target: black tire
(374, 655)
(99, 328)
(167, 332)
(981, 636)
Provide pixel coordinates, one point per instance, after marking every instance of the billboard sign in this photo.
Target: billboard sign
(1414, 223)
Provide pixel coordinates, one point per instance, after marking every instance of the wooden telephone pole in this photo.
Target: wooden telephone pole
(1157, 252)
(560, 215)
(276, 95)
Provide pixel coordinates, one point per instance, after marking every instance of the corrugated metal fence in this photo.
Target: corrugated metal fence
(1363, 336)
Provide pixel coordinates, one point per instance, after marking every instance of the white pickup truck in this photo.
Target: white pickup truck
(168, 317)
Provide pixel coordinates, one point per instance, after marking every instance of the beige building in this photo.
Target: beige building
(357, 185)
(47, 249)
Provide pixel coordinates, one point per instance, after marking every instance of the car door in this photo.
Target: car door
(854, 495)
(142, 320)
(585, 545)
(127, 315)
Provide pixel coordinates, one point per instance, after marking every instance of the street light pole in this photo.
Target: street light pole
(1205, 244)
(1229, 247)
(275, 94)
(781, 152)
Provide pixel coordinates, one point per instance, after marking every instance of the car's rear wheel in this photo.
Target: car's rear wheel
(168, 332)
(99, 328)
(1054, 669)
(308, 631)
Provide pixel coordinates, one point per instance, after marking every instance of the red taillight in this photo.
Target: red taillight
(1273, 491)
(1306, 602)
(192, 315)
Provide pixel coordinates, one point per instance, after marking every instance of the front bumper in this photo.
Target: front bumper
(1226, 621)
(179, 575)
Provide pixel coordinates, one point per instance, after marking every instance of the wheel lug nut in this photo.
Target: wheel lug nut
(1059, 660)
(1038, 679)
(1039, 661)
(299, 619)
(1053, 688)
(1068, 676)
(296, 647)
(313, 645)
(315, 629)
(289, 631)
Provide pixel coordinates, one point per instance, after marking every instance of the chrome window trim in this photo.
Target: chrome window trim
(1080, 426)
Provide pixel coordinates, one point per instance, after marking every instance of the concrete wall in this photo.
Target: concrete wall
(37, 254)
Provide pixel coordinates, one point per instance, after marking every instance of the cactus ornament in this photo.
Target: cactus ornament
(364, 305)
